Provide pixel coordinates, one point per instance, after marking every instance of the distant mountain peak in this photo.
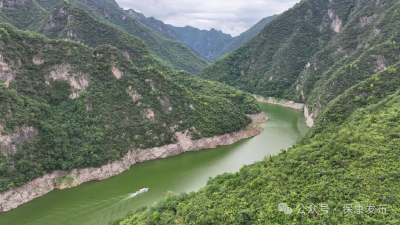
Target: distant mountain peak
(215, 43)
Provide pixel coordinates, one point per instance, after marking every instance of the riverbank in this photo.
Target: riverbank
(290, 104)
(67, 179)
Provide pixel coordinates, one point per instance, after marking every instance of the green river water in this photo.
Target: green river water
(98, 202)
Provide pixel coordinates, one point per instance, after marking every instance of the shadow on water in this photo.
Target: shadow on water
(98, 202)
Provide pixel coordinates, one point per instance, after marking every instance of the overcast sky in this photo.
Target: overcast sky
(230, 16)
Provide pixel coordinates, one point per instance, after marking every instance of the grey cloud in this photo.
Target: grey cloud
(230, 16)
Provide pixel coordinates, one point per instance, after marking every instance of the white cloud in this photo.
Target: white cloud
(230, 16)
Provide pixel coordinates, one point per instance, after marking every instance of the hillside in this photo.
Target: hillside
(271, 63)
(350, 157)
(355, 165)
(65, 105)
(17, 12)
(203, 41)
(312, 56)
(32, 14)
(155, 24)
(67, 21)
(213, 44)
(173, 53)
(341, 58)
(240, 40)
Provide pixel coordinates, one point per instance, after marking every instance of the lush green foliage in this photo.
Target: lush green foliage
(155, 24)
(270, 63)
(349, 75)
(370, 91)
(246, 102)
(31, 15)
(94, 124)
(203, 41)
(27, 16)
(366, 45)
(48, 4)
(315, 51)
(356, 163)
(80, 22)
(240, 40)
(67, 21)
(172, 53)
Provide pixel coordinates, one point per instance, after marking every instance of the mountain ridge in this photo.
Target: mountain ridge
(244, 37)
(171, 52)
(203, 41)
(214, 44)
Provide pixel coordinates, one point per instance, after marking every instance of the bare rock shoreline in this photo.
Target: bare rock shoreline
(66, 179)
(290, 104)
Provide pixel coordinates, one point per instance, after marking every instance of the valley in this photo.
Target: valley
(98, 202)
(101, 98)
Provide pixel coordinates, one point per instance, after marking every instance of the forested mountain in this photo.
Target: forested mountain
(66, 105)
(203, 41)
(240, 40)
(32, 14)
(342, 59)
(213, 44)
(314, 51)
(155, 24)
(354, 165)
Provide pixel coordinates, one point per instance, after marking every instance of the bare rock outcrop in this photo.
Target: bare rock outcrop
(332, 20)
(133, 93)
(258, 118)
(367, 20)
(285, 103)
(7, 74)
(11, 141)
(291, 104)
(117, 73)
(336, 24)
(148, 113)
(37, 60)
(309, 116)
(77, 81)
(66, 179)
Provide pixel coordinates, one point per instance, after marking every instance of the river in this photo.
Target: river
(98, 202)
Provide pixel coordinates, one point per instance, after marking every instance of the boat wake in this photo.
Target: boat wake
(141, 191)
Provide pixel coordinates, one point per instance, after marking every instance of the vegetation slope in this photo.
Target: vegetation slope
(205, 42)
(309, 53)
(31, 15)
(155, 24)
(214, 44)
(236, 42)
(342, 60)
(65, 105)
(352, 166)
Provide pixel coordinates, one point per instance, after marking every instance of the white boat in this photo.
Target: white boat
(143, 190)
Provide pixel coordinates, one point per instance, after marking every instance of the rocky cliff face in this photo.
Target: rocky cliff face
(66, 179)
